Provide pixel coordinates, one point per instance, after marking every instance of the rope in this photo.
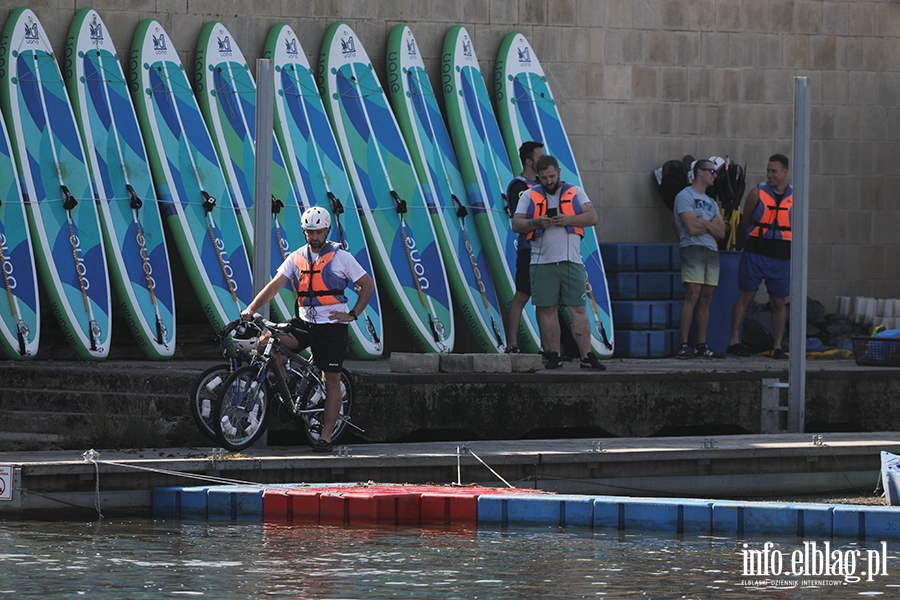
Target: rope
(209, 203)
(532, 98)
(600, 329)
(469, 451)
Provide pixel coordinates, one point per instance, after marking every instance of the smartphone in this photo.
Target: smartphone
(551, 212)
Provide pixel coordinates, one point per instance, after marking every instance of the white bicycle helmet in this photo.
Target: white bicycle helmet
(246, 340)
(315, 218)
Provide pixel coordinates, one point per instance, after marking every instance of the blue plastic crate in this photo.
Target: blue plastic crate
(640, 314)
(618, 258)
(655, 257)
(641, 344)
(640, 286)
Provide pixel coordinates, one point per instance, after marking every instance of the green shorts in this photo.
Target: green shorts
(700, 265)
(561, 283)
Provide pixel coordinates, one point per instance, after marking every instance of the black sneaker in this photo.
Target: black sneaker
(704, 351)
(590, 362)
(512, 350)
(553, 360)
(684, 351)
(779, 354)
(322, 446)
(739, 350)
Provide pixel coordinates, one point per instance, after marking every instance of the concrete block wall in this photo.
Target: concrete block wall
(643, 81)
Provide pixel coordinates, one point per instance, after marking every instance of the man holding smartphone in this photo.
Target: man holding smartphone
(553, 216)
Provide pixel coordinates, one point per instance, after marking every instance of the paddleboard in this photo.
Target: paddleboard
(526, 111)
(395, 218)
(485, 170)
(129, 213)
(62, 213)
(417, 111)
(194, 196)
(226, 93)
(20, 313)
(314, 162)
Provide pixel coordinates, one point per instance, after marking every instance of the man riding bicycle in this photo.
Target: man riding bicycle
(324, 270)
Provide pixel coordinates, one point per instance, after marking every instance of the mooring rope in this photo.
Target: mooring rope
(468, 450)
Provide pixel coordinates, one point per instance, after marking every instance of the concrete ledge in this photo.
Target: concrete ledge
(525, 363)
(410, 362)
(457, 363)
(491, 363)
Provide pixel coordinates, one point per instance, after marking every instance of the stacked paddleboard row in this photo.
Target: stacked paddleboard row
(104, 160)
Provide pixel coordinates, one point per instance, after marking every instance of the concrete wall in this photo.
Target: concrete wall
(643, 81)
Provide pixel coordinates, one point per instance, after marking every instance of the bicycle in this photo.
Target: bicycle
(208, 386)
(255, 392)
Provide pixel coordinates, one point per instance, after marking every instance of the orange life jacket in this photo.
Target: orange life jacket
(319, 285)
(567, 206)
(771, 219)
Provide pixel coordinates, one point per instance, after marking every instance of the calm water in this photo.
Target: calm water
(157, 559)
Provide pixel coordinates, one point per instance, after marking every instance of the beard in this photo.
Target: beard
(316, 245)
(552, 190)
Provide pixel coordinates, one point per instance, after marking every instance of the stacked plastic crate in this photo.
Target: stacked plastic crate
(646, 294)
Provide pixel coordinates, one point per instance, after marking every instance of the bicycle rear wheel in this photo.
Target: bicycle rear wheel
(314, 411)
(204, 396)
(242, 411)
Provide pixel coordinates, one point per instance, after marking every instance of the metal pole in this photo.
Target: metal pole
(262, 196)
(799, 255)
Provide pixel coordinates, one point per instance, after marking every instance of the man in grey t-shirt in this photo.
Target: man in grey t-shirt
(553, 215)
(699, 225)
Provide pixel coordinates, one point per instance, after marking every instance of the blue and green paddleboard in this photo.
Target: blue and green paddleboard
(417, 111)
(62, 213)
(129, 212)
(195, 200)
(314, 162)
(226, 93)
(526, 111)
(485, 170)
(20, 314)
(398, 227)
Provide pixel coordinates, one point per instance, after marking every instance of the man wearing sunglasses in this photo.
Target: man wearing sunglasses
(699, 225)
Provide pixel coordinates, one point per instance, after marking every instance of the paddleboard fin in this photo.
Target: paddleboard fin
(23, 335)
(161, 332)
(461, 211)
(277, 205)
(209, 202)
(336, 206)
(399, 203)
(69, 201)
(136, 202)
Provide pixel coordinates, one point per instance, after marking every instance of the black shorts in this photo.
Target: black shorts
(523, 271)
(327, 341)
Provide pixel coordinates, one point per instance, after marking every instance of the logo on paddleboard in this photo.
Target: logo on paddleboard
(348, 47)
(290, 46)
(96, 33)
(31, 32)
(224, 45)
(467, 47)
(159, 44)
(524, 55)
(411, 47)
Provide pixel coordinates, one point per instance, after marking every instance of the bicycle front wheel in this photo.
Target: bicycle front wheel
(243, 409)
(314, 411)
(204, 396)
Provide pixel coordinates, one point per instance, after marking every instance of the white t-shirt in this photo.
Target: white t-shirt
(556, 244)
(344, 265)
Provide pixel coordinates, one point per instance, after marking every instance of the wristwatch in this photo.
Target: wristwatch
(352, 313)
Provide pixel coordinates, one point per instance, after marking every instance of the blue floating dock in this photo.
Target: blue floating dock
(527, 508)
